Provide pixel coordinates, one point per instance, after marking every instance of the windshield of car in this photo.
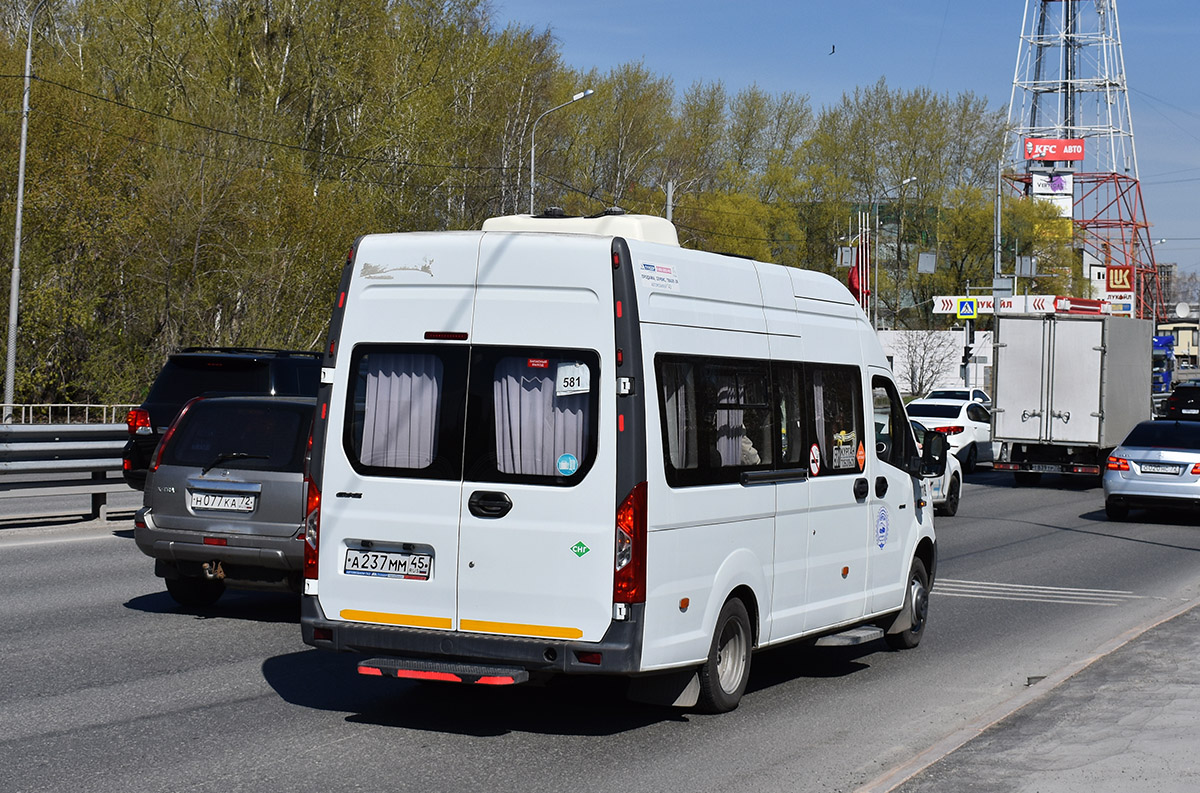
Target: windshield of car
(948, 394)
(1165, 435)
(934, 411)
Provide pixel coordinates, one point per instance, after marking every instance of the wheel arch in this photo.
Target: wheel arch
(745, 594)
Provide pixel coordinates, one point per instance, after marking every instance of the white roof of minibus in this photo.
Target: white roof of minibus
(647, 228)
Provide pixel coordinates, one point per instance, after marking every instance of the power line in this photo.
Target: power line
(267, 141)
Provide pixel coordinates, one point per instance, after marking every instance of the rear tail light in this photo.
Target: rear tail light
(1196, 469)
(162, 445)
(137, 421)
(948, 430)
(1118, 463)
(312, 527)
(629, 582)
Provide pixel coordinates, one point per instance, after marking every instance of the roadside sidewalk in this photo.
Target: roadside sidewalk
(1128, 721)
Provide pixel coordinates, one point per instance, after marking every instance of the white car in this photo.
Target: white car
(962, 395)
(945, 491)
(968, 427)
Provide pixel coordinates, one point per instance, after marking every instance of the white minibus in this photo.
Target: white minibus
(568, 445)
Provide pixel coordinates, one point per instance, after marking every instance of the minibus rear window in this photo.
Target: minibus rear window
(405, 416)
(536, 421)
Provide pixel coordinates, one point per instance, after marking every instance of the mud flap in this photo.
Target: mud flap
(674, 689)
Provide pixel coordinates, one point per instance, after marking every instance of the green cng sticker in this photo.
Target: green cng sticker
(579, 549)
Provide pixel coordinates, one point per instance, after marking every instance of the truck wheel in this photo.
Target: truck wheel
(194, 590)
(724, 675)
(916, 603)
(1027, 478)
(1115, 510)
(950, 508)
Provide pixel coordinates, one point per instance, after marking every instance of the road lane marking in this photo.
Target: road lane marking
(991, 590)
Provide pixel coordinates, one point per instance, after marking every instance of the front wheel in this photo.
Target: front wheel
(916, 605)
(724, 675)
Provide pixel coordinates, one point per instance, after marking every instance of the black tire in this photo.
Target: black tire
(724, 675)
(1115, 510)
(950, 508)
(916, 603)
(972, 460)
(1027, 478)
(194, 590)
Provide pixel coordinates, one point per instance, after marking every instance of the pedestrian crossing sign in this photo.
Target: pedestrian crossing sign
(968, 308)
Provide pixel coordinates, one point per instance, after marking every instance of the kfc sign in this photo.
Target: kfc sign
(1053, 149)
(1119, 278)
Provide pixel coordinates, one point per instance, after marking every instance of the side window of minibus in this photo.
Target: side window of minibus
(716, 416)
(892, 430)
(836, 408)
(788, 379)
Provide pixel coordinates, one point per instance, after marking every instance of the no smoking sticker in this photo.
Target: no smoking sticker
(814, 459)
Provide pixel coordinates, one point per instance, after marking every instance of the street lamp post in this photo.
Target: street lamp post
(14, 292)
(533, 132)
(875, 208)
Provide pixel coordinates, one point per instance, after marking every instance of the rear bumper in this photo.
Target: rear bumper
(619, 651)
(239, 550)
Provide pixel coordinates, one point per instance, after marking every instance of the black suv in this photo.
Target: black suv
(1184, 402)
(194, 371)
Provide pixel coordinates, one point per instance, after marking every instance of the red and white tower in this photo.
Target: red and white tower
(1073, 139)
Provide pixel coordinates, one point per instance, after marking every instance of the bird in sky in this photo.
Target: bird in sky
(832, 49)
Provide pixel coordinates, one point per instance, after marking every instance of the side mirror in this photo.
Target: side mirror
(933, 454)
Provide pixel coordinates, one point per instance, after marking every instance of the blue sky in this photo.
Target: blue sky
(947, 45)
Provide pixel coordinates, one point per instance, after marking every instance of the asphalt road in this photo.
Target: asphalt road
(106, 685)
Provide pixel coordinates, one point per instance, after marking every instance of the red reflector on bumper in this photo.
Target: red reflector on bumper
(370, 670)
(414, 674)
(215, 541)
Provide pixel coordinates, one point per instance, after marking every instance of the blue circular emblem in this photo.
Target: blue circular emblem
(881, 527)
(568, 464)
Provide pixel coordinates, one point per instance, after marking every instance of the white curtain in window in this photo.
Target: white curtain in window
(534, 426)
(730, 421)
(679, 394)
(403, 399)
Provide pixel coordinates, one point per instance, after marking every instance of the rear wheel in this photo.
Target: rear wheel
(950, 508)
(194, 590)
(1115, 510)
(916, 605)
(724, 675)
(972, 460)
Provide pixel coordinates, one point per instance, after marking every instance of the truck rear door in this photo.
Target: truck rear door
(1021, 379)
(1074, 405)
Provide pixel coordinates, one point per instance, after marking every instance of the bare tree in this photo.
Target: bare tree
(925, 356)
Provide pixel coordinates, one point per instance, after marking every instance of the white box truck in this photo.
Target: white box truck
(1067, 390)
(567, 445)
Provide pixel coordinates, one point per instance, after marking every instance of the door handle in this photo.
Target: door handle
(881, 486)
(489, 504)
(861, 488)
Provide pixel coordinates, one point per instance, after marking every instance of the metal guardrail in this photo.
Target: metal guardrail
(63, 413)
(82, 454)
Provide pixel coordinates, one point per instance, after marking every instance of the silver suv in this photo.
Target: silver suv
(224, 497)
